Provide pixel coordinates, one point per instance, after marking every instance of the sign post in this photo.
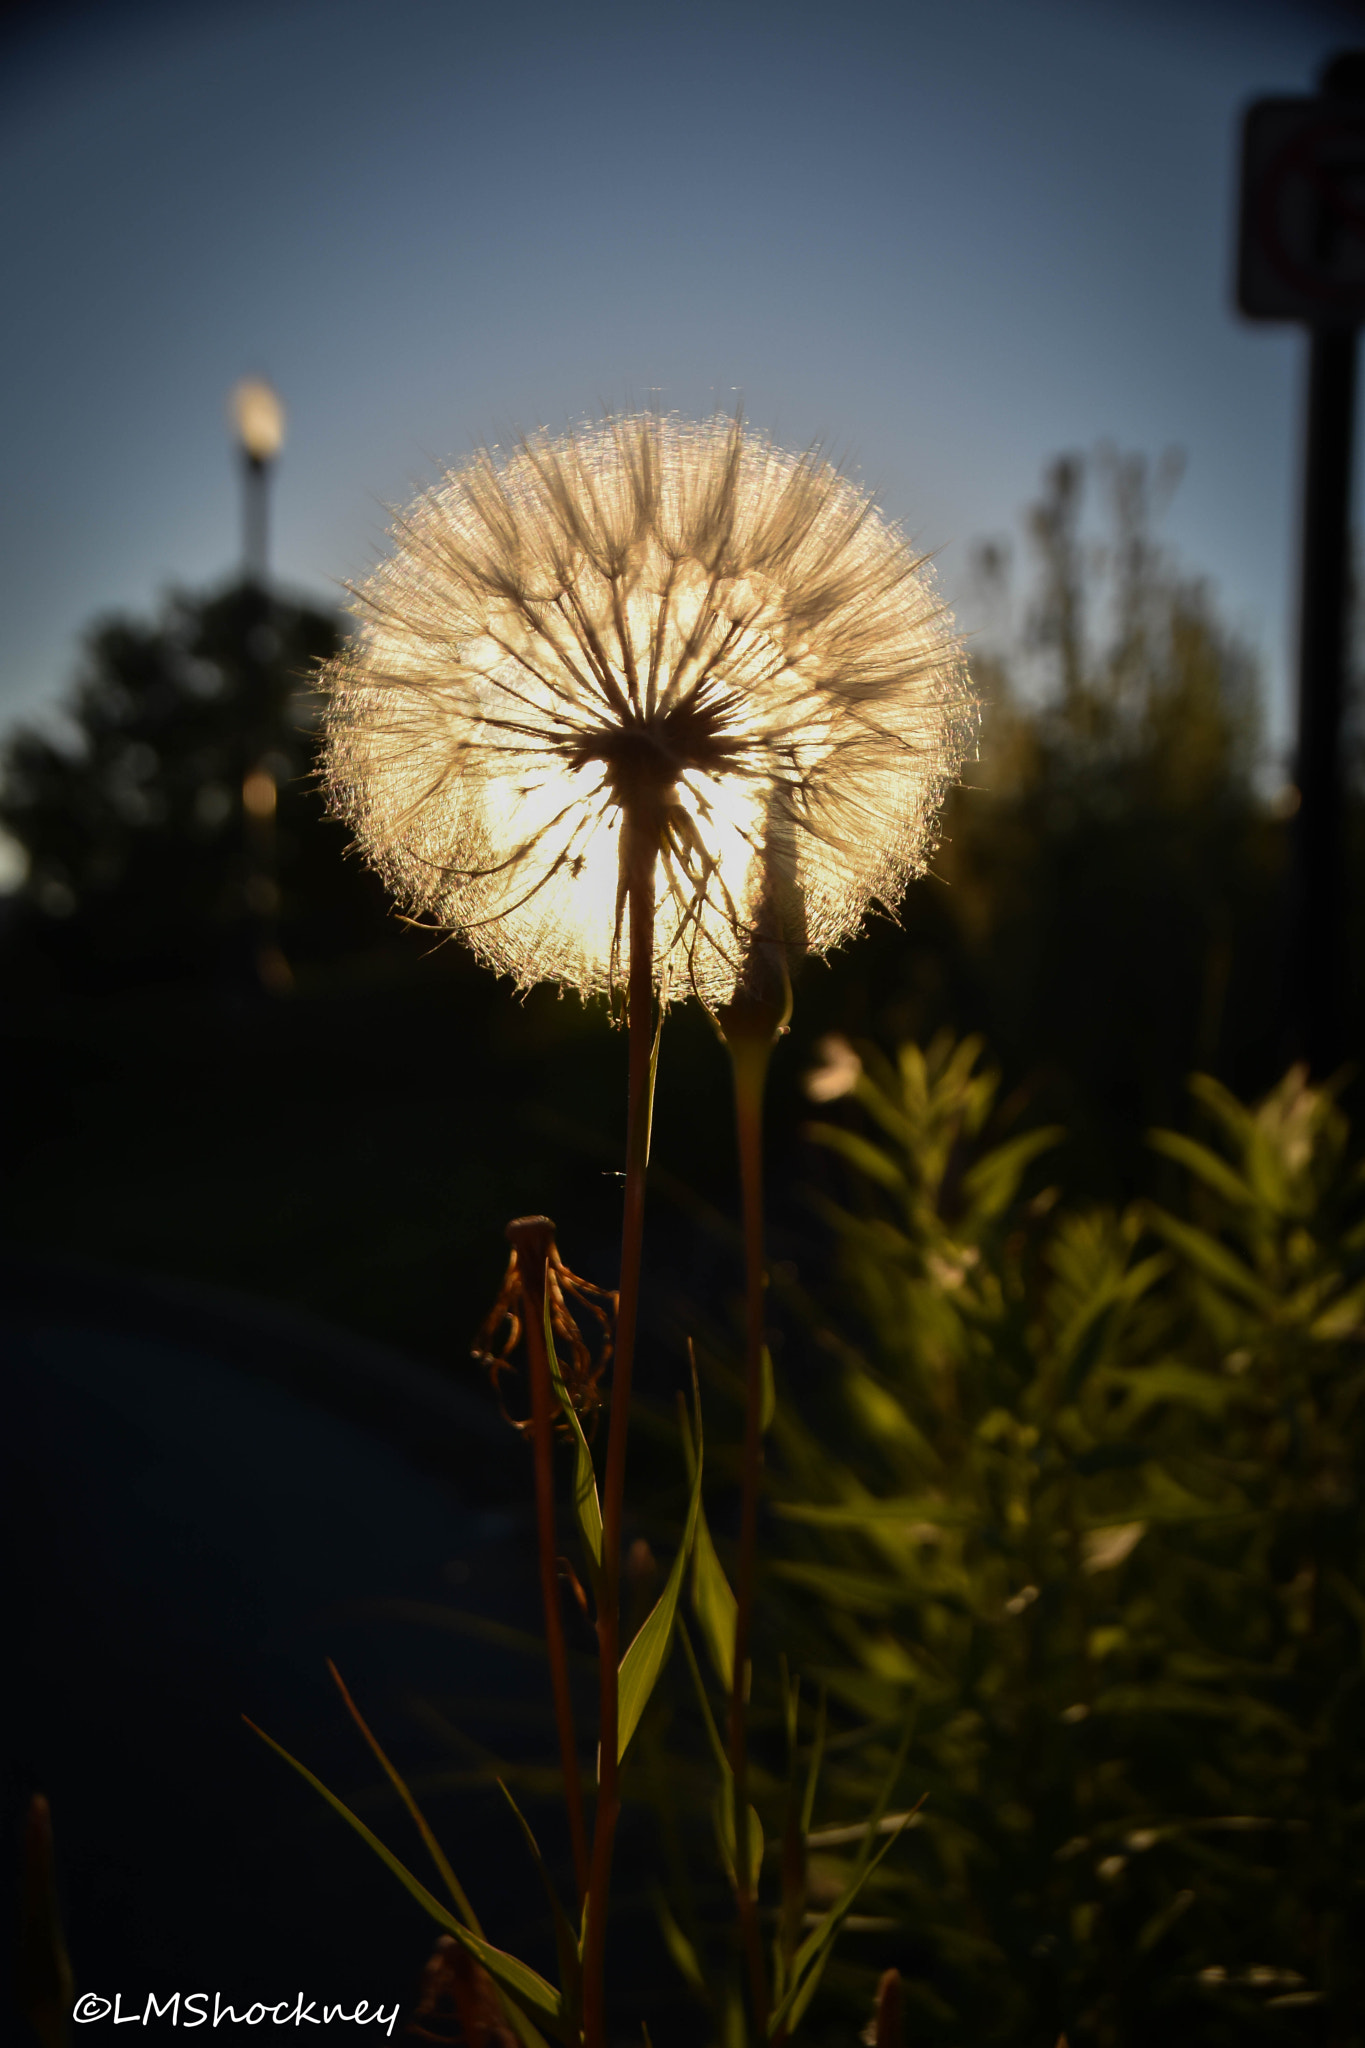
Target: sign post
(1301, 257)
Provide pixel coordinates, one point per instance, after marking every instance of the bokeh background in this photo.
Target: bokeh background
(984, 254)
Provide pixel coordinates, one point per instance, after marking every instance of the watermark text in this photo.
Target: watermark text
(211, 2009)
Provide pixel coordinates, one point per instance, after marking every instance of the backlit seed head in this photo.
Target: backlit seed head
(672, 619)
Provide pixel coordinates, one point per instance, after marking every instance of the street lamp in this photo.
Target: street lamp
(258, 417)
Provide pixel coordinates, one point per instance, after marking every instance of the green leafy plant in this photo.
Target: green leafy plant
(1096, 1524)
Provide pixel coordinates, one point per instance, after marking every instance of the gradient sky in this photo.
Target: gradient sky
(951, 239)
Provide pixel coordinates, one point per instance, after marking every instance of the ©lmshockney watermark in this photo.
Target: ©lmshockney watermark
(211, 2009)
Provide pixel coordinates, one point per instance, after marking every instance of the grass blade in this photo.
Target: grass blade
(518, 1979)
(708, 1718)
(434, 1849)
(808, 1963)
(566, 1941)
(817, 1757)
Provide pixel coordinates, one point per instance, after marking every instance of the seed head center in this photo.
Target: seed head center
(645, 754)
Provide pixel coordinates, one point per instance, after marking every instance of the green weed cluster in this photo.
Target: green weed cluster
(1088, 1510)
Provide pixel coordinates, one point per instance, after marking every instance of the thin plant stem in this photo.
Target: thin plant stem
(532, 1236)
(749, 1053)
(640, 846)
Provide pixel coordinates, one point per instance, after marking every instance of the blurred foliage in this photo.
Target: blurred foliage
(1081, 1503)
(132, 818)
(1113, 868)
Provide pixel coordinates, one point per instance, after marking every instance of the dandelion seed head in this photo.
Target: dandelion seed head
(647, 612)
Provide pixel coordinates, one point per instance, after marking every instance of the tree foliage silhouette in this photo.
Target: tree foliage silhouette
(131, 819)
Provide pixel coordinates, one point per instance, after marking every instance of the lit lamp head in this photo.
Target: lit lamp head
(258, 417)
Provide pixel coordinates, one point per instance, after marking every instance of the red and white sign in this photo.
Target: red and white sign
(1302, 244)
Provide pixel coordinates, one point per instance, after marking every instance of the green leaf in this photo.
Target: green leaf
(1162, 1921)
(857, 1591)
(1341, 1318)
(876, 1511)
(768, 1400)
(714, 1604)
(586, 1506)
(723, 1819)
(808, 1964)
(1145, 1385)
(882, 1418)
(518, 1979)
(869, 1159)
(991, 1184)
(723, 1806)
(566, 1941)
(1163, 1697)
(1097, 1327)
(734, 2030)
(708, 1718)
(1237, 1120)
(880, 1105)
(644, 1660)
(817, 1757)
(1211, 1257)
(1213, 1171)
(791, 1708)
(681, 1949)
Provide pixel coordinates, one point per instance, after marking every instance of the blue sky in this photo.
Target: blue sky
(952, 240)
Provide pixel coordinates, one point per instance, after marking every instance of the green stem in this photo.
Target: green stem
(533, 1236)
(749, 1054)
(639, 854)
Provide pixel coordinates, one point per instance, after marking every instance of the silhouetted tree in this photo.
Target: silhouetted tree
(1112, 906)
(133, 822)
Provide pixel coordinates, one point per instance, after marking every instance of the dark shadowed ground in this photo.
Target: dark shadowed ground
(211, 1497)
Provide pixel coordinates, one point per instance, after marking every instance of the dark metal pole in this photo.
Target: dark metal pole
(1317, 953)
(255, 505)
(264, 966)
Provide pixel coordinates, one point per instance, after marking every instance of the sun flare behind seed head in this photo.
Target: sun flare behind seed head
(674, 618)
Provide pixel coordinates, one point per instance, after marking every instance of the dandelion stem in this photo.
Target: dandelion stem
(533, 1236)
(640, 838)
(749, 1053)
(750, 1025)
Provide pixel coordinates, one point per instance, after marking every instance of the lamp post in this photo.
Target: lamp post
(258, 417)
(258, 420)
